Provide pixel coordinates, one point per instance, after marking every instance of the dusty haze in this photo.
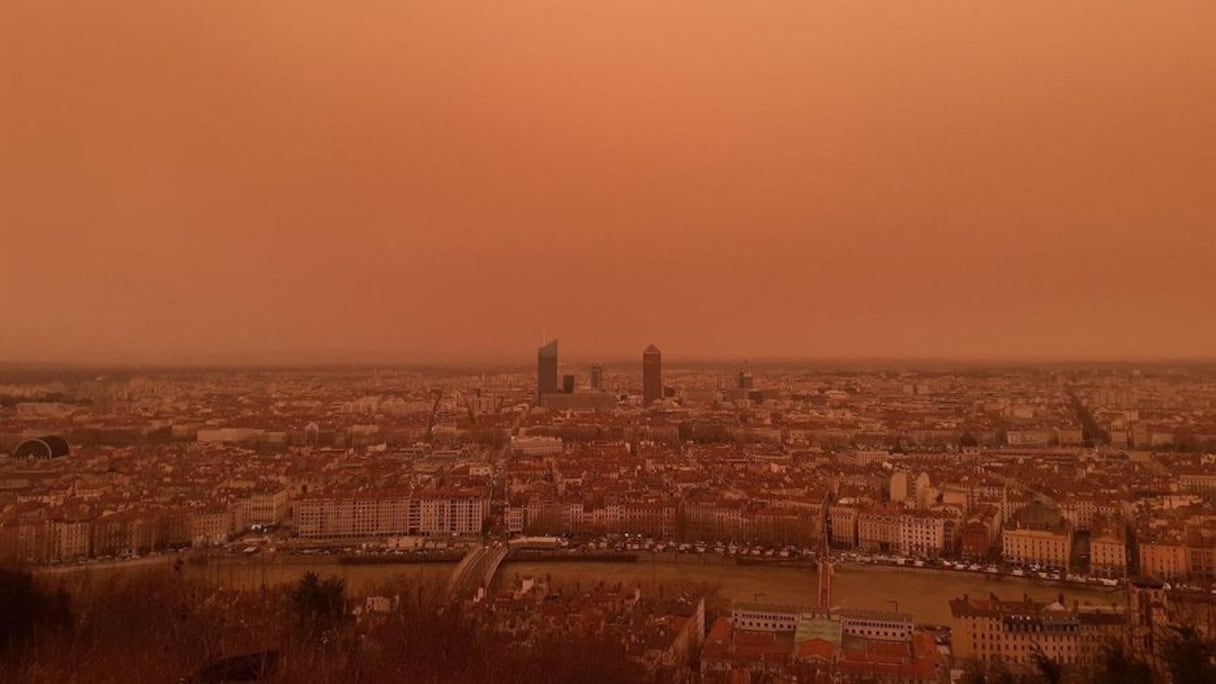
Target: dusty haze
(228, 181)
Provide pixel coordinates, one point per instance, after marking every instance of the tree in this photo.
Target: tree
(321, 603)
(1050, 670)
(978, 673)
(1189, 656)
(1117, 666)
(27, 609)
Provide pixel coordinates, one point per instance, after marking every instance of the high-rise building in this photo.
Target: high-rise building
(546, 369)
(568, 384)
(745, 380)
(597, 376)
(652, 375)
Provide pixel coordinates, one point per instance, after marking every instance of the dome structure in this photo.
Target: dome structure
(50, 446)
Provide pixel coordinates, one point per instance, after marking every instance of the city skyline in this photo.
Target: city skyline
(583, 362)
(922, 293)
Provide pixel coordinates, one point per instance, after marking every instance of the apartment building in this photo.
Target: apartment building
(1038, 535)
(1163, 555)
(991, 630)
(260, 508)
(927, 533)
(878, 529)
(428, 514)
(1108, 547)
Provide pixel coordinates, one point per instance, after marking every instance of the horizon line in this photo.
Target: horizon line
(522, 362)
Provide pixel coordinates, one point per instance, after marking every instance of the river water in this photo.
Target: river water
(924, 593)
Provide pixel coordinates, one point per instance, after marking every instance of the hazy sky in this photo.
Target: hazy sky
(223, 181)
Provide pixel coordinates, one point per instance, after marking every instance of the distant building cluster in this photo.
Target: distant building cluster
(662, 635)
(1002, 467)
(1102, 477)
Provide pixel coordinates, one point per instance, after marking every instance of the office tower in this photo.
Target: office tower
(746, 381)
(652, 375)
(597, 376)
(546, 370)
(568, 384)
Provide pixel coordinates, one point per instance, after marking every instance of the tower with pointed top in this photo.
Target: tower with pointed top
(825, 561)
(652, 375)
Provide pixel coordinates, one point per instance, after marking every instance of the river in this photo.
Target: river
(924, 593)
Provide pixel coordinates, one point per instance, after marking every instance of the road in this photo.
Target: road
(498, 461)
(476, 570)
(1091, 430)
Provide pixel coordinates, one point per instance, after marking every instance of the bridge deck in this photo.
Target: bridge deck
(476, 570)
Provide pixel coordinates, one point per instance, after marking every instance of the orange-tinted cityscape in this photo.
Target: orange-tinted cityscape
(549, 341)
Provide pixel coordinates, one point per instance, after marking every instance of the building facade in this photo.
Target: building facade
(546, 369)
(990, 630)
(652, 375)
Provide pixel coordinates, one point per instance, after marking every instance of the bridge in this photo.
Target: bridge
(478, 567)
(476, 570)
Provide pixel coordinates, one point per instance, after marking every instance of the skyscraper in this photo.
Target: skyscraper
(746, 380)
(597, 376)
(652, 375)
(546, 370)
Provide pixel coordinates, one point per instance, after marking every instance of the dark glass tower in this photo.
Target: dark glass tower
(652, 375)
(546, 370)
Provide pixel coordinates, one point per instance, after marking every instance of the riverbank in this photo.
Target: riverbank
(393, 559)
(116, 564)
(925, 594)
(921, 591)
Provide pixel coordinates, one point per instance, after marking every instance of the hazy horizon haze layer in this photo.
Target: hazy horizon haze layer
(244, 183)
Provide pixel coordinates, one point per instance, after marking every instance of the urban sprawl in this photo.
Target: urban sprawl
(1098, 477)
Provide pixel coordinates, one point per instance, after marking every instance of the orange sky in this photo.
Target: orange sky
(392, 180)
